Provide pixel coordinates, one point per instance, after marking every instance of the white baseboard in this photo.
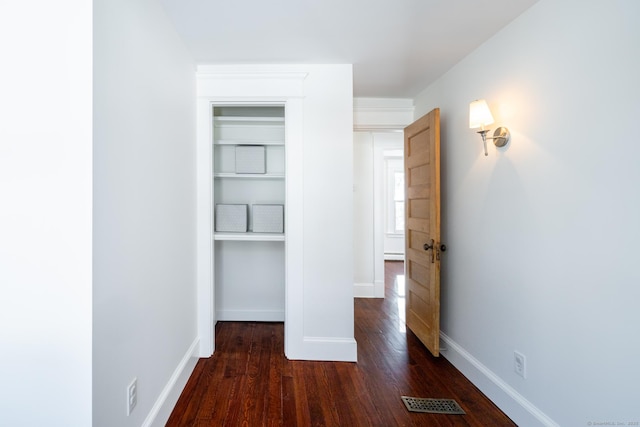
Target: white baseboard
(368, 290)
(394, 257)
(512, 403)
(167, 400)
(363, 290)
(250, 315)
(326, 349)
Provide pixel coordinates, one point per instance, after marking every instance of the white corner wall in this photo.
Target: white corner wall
(542, 235)
(319, 205)
(328, 215)
(144, 323)
(45, 213)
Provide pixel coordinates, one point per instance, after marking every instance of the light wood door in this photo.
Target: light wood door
(422, 229)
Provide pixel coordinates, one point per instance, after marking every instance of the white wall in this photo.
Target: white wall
(45, 213)
(542, 235)
(378, 124)
(392, 163)
(144, 212)
(319, 199)
(371, 239)
(328, 205)
(363, 224)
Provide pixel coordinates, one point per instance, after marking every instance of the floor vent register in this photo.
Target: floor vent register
(434, 406)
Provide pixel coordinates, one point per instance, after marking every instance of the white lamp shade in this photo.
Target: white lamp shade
(479, 114)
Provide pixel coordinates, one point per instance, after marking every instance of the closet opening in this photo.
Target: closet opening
(249, 192)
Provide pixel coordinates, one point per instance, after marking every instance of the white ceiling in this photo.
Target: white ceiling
(397, 47)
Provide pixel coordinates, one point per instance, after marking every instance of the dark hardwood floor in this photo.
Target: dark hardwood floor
(249, 382)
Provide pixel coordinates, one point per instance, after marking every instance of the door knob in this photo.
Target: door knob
(429, 246)
(443, 247)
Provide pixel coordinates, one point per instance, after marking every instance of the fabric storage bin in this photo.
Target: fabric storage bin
(232, 218)
(250, 159)
(268, 218)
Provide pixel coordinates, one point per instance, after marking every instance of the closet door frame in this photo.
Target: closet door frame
(293, 106)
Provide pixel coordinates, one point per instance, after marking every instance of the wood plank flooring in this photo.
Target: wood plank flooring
(249, 382)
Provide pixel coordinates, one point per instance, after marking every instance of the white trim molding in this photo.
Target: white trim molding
(516, 406)
(252, 80)
(380, 114)
(250, 315)
(368, 290)
(168, 398)
(239, 85)
(204, 256)
(327, 349)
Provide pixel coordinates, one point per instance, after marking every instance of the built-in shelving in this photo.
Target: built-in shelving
(249, 266)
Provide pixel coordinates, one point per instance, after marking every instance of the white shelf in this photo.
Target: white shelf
(230, 142)
(232, 175)
(231, 119)
(250, 237)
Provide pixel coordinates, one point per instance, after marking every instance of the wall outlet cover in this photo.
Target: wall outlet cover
(132, 395)
(520, 364)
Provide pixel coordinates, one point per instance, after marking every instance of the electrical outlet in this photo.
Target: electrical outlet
(132, 396)
(520, 364)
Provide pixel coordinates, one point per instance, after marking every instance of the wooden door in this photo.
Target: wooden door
(422, 229)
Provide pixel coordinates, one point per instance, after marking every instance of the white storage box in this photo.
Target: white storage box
(250, 159)
(268, 218)
(231, 218)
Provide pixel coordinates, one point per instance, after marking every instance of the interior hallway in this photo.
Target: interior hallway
(248, 381)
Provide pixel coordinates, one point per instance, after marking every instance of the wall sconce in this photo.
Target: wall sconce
(479, 117)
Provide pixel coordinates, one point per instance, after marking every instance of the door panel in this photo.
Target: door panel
(419, 175)
(419, 208)
(422, 222)
(419, 273)
(422, 192)
(419, 143)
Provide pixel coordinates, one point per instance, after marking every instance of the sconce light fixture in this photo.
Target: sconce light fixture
(479, 117)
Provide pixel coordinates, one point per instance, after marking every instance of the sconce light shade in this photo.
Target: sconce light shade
(479, 117)
(479, 114)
